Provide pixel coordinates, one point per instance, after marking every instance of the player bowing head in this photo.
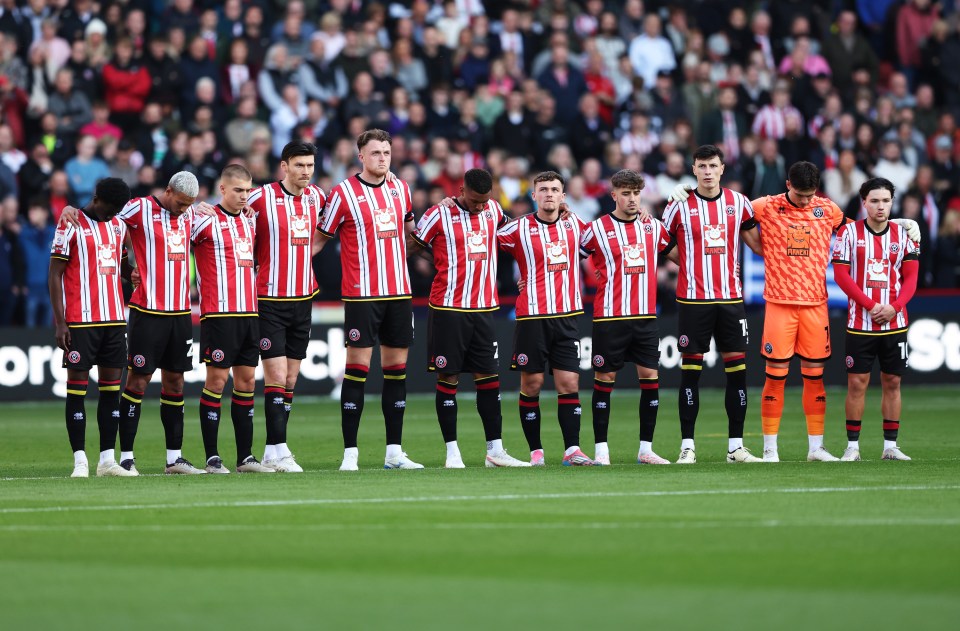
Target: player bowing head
(236, 184)
(374, 146)
(803, 182)
(109, 198)
(476, 190)
(181, 192)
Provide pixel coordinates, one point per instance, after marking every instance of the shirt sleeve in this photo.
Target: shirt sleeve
(62, 247)
(197, 232)
(588, 241)
(256, 201)
(332, 215)
(839, 219)
(428, 227)
(841, 248)
(130, 214)
(664, 241)
(671, 218)
(507, 236)
(911, 251)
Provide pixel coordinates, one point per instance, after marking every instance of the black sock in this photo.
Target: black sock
(210, 420)
(129, 418)
(241, 413)
(735, 401)
(689, 400)
(351, 402)
(447, 409)
(568, 413)
(488, 405)
(890, 429)
(76, 415)
(274, 412)
(649, 406)
(530, 420)
(108, 413)
(287, 406)
(171, 415)
(853, 430)
(601, 408)
(393, 401)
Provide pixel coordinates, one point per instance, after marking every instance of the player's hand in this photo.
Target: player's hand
(875, 312)
(63, 337)
(391, 177)
(449, 202)
(596, 273)
(521, 284)
(911, 226)
(135, 277)
(887, 313)
(644, 214)
(70, 216)
(680, 192)
(564, 211)
(249, 213)
(205, 209)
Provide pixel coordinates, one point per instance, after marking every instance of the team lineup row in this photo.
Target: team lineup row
(254, 252)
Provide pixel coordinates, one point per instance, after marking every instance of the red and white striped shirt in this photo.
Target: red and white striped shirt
(465, 255)
(284, 238)
(91, 281)
(223, 248)
(771, 121)
(548, 255)
(876, 266)
(708, 241)
(373, 248)
(161, 249)
(625, 254)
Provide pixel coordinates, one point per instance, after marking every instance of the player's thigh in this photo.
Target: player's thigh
(610, 343)
(361, 320)
(230, 341)
(861, 352)
(273, 318)
(696, 324)
(147, 335)
(177, 355)
(396, 328)
(780, 326)
(298, 329)
(111, 347)
(892, 353)
(530, 346)
(731, 328)
(813, 333)
(447, 337)
(644, 346)
(482, 350)
(563, 344)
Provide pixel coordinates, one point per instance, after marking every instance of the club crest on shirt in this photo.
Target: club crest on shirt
(394, 193)
(894, 247)
(385, 223)
(730, 210)
(818, 212)
(878, 273)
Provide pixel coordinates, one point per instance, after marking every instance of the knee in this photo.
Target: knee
(567, 384)
(531, 385)
(173, 383)
(453, 379)
(890, 383)
(290, 382)
(857, 383)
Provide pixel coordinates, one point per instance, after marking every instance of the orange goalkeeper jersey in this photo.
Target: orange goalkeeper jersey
(796, 247)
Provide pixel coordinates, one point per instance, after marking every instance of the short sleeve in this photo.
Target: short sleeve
(841, 248)
(588, 241)
(62, 247)
(663, 237)
(911, 251)
(428, 227)
(130, 214)
(507, 236)
(671, 218)
(256, 201)
(197, 229)
(838, 218)
(332, 216)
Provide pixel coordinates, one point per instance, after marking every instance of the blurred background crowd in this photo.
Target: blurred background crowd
(140, 89)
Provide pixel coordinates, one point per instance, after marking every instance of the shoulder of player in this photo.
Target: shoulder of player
(737, 196)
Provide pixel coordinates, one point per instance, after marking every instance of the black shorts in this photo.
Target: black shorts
(97, 346)
(227, 341)
(539, 340)
(284, 327)
(371, 322)
(724, 321)
(634, 340)
(159, 341)
(890, 349)
(462, 341)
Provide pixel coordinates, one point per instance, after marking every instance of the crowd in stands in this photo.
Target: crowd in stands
(140, 89)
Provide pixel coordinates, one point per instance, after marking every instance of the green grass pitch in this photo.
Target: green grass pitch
(840, 545)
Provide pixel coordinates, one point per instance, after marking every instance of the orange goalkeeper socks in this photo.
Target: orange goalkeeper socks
(771, 406)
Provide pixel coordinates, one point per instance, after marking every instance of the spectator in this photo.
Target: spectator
(362, 102)
(771, 120)
(98, 50)
(892, 167)
(241, 130)
(237, 70)
(724, 125)
(842, 182)
(639, 138)
(72, 108)
(285, 117)
(589, 133)
(584, 207)
(11, 272)
(321, 79)
(768, 172)
(410, 71)
(59, 193)
(195, 65)
(650, 52)
(946, 266)
(181, 14)
(451, 178)
(101, 127)
(332, 35)
(36, 237)
(564, 83)
(165, 77)
(84, 170)
(675, 174)
(53, 49)
(846, 50)
(10, 155)
(914, 22)
(126, 84)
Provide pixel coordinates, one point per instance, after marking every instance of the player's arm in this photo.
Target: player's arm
(751, 238)
(58, 266)
(320, 239)
(911, 271)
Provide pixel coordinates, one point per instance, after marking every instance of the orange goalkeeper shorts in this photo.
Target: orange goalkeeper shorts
(802, 330)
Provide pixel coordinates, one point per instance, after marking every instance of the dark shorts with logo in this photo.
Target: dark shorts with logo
(159, 341)
(725, 322)
(541, 340)
(97, 346)
(229, 341)
(370, 322)
(284, 327)
(634, 340)
(890, 350)
(462, 341)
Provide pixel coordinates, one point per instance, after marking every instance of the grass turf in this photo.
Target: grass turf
(872, 544)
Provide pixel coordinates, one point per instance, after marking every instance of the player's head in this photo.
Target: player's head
(110, 196)
(297, 161)
(876, 195)
(235, 186)
(548, 191)
(708, 166)
(181, 192)
(803, 182)
(476, 189)
(374, 146)
(627, 186)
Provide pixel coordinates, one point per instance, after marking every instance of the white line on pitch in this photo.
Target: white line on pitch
(472, 498)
